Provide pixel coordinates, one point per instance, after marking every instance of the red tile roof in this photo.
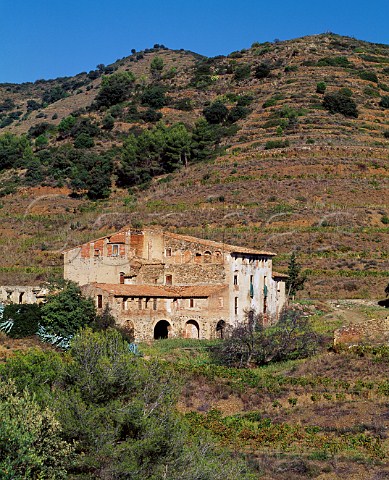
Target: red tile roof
(187, 238)
(187, 291)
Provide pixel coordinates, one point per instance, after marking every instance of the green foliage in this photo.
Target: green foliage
(184, 104)
(154, 96)
(7, 104)
(30, 438)
(67, 311)
(115, 88)
(84, 140)
(295, 280)
(340, 61)
(384, 102)
(321, 87)
(369, 76)
(253, 344)
(263, 70)
(151, 115)
(160, 150)
(108, 122)
(66, 124)
(26, 319)
(237, 113)
(339, 103)
(216, 113)
(92, 172)
(156, 65)
(242, 72)
(270, 144)
(14, 151)
(53, 95)
(33, 105)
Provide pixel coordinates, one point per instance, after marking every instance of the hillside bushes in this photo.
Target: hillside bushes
(115, 89)
(338, 102)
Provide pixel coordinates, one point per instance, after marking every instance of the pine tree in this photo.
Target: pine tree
(296, 280)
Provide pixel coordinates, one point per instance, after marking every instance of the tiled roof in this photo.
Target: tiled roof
(187, 291)
(279, 275)
(219, 245)
(187, 238)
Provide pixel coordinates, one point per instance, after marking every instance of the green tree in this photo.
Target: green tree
(296, 279)
(321, 87)
(262, 70)
(338, 102)
(67, 311)
(154, 96)
(30, 439)
(384, 102)
(115, 88)
(156, 66)
(217, 112)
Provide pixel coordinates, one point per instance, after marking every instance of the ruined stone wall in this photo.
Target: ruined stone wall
(21, 294)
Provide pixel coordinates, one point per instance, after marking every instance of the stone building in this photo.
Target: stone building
(22, 294)
(162, 284)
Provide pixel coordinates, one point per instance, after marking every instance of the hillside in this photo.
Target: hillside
(276, 169)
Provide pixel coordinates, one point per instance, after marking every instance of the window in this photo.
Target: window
(154, 304)
(251, 287)
(121, 278)
(169, 280)
(115, 250)
(236, 306)
(97, 252)
(191, 303)
(198, 258)
(235, 279)
(139, 303)
(168, 252)
(147, 302)
(99, 301)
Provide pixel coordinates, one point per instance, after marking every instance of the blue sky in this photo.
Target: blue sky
(51, 38)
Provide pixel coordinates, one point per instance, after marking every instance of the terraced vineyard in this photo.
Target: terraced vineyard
(290, 176)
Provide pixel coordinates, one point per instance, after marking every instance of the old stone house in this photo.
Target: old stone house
(162, 284)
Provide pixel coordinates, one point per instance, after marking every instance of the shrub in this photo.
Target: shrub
(115, 89)
(369, 76)
(154, 97)
(67, 311)
(54, 94)
(25, 319)
(386, 133)
(270, 144)
(236, 113)
(151, 115)
(217, 112)
(242, 72)
(83, 140)
(252, 343)
(321, 87)
(340, 103)
(184, 104)
(262, 70)
(340, 61)
(244, 100)
(108, 122)
(384, 103)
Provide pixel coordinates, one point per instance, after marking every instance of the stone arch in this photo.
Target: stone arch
(198, 257)
(221, 329)
(192, 329)
(161, 330)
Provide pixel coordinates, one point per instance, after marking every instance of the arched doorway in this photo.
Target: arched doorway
(192, 329)
(220, 329)
(161, 330)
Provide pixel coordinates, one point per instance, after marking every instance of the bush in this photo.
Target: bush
(242, 72)
(339, 103)
(384, 103)
(237, 113)
(154, 96)
(262, 71)
(53, 95)
(83, 140)
(369, 76)
(151, 115)
(386, 133)
(67, 311)
(25, 319)
(270, 144)
(321, 87)
(115, 89)
(340, 61)
(216, 113)
(253, 344)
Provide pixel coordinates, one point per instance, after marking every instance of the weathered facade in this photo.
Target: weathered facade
(22, 294)
(162, 284)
